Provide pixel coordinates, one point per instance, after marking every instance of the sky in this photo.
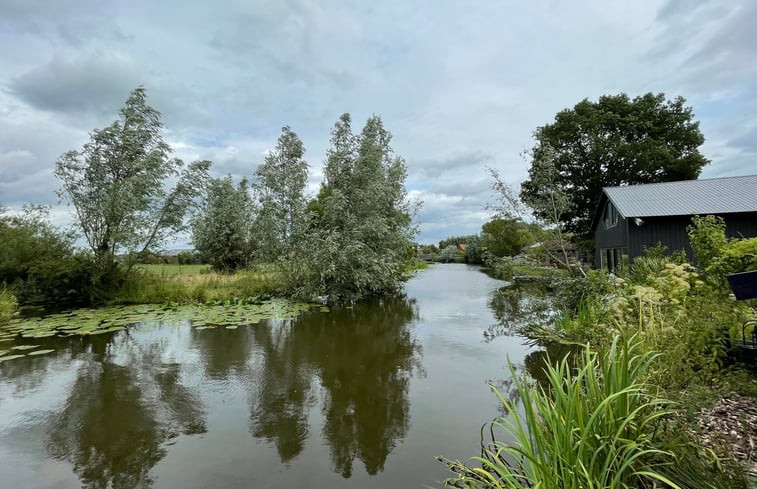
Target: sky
(461, 85)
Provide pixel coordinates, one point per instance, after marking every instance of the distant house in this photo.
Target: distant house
(555, 249)
(633, 217)
(462, 247)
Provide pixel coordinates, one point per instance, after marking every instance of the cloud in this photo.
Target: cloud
(95, 82)
(461, 87)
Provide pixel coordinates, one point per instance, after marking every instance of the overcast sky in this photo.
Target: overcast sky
(461, 85)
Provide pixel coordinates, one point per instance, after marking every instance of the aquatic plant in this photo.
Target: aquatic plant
(592, 427)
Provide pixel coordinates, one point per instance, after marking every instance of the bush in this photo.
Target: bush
(39, 264)
(739, 255)
(707, 237)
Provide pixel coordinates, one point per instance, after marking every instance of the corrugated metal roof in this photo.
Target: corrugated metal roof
(688, 197)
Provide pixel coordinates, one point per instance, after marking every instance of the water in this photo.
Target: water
(357, 397)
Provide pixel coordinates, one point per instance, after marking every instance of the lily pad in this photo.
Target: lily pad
(10, 357)
(232, 327)
(24, 347)
(40, 352)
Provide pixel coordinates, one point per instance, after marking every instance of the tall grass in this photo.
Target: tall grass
(145, 286)
(592, 427)
(8, 304)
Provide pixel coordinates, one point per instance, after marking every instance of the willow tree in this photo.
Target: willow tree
(360, 233)
(119, 184)
(280, 188)
(222, 230)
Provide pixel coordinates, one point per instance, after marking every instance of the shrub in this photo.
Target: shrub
(707, 237)
(39, 264)
(739, 255)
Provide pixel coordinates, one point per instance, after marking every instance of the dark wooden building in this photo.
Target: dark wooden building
(632, 217)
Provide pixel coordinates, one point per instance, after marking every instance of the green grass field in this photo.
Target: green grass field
(195, 283)
(175, 270)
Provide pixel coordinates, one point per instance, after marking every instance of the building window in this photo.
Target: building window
(613, 259)
(611, 216)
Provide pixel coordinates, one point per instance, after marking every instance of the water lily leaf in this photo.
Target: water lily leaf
(40, 352)
(24, 347)
(232, 327)
(45, 334)
(10, 357)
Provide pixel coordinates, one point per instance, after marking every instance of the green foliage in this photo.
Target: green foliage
(718, 255)
(8, 305)
(449, 253)
(474, 251)
(456, 240)
(160, 284)
(222, 232)
(739, 255)
(280, 185)
(39, 264)
(591, 427)
(506, 236)
(614, 141)
(647, 267)
(669, 307)
(117, 184)
(359, 235)
(189, 258)
(707, 238)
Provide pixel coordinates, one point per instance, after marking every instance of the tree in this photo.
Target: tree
(222, 231)
(360, 234)
(280, 186)
(549, 207)
(615, 141)
(505, 236)
(118, 184)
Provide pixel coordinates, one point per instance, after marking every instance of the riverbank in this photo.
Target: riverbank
(188, 284)
(192, 284)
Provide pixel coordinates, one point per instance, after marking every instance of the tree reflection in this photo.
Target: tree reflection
(517, 306)
(279, 412)
(363, 357)
(533, 371)
(123, 406)
(366, 357)
(224, 351)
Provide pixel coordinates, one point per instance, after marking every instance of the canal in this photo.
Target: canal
(363, 396)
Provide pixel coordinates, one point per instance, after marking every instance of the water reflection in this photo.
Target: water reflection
(533, 371)
(517, 306)
(335, 399)
(280, 403)
(363, 359)
(122, 408)
(366, 371)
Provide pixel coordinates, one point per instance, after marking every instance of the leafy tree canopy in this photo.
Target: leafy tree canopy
(119, 186)
(222, 230)
(614, 141)
(359, 237)
(280, 188)
(506, 236)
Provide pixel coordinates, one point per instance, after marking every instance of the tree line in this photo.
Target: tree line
(130, 196)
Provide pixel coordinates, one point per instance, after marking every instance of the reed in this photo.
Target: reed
(593, 426)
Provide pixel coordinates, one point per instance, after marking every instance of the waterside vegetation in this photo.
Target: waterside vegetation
(667, 325)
